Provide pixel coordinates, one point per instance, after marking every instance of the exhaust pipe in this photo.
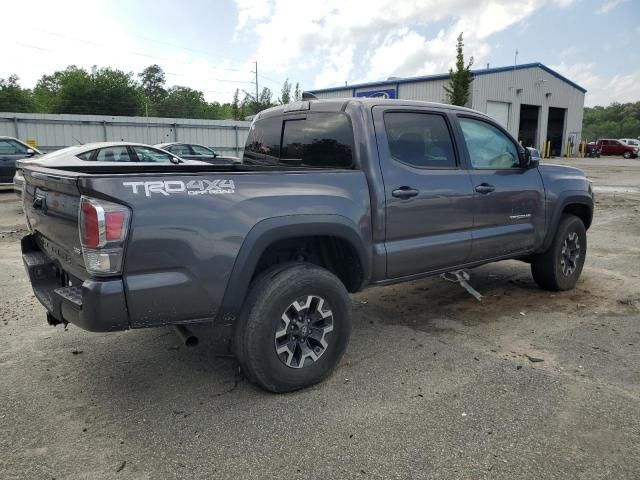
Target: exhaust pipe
(186, 335)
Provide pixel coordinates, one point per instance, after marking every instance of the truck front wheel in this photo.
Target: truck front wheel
(560, 266)
(295, 327)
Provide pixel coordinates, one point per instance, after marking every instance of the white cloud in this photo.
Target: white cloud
(328, 36)
(59, 36)
(251, 10)
(608, 6)
(602, 90)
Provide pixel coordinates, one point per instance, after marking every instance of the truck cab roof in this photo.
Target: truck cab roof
(341, 104)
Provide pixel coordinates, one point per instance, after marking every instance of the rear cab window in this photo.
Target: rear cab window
(313, 140)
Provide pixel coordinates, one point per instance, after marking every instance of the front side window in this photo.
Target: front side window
(200, 150)
(180, 149)
(318, 140)
(11, 147)
(488, 146)
(421, 140)
(113, 154)
(148, 154)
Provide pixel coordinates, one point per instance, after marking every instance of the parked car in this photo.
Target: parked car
(608, 146)
(105, 153)
(11, 150)
(634, 142)
(193, 151)
(332, 196)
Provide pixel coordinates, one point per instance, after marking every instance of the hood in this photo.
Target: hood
(558, 178)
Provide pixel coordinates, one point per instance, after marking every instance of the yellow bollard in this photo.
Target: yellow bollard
(567, 150)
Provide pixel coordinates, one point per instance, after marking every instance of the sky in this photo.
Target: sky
(211, 45)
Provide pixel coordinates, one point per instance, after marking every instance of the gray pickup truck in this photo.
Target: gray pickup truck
(332, 196)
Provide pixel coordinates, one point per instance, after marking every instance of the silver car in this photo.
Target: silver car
(107, 153)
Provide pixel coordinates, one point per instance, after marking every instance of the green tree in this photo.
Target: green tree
(13, 98)
(74, 90)
(183, 102)
(285, 96)
(615, 121)
(153, 83)
(116, 93)
(250, 106)
(459, 86)
(297, 94)
(235, 105)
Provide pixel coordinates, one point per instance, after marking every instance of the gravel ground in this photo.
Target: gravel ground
(527, 384)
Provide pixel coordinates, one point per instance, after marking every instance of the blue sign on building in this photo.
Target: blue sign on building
(383, 93)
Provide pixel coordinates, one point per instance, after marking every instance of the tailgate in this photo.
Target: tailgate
(51, 200)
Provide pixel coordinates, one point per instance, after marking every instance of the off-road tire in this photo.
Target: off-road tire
(547, 268)
(269, 298)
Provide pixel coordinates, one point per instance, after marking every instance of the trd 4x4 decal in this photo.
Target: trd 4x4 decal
(192, 187)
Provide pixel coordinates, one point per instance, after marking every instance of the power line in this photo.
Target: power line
(155, 57)
(187, 49)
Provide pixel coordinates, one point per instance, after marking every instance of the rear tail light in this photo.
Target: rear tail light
(103, 231)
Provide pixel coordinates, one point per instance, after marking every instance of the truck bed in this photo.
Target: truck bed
(188, 226)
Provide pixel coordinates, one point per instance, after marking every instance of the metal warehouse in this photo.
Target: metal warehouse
(533, 102)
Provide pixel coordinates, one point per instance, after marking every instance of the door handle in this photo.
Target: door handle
(404, 192)
(485, 188)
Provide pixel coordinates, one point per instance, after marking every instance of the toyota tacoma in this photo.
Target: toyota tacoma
(332, 196)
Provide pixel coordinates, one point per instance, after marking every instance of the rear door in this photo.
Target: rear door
(427, 191)
(508, 200)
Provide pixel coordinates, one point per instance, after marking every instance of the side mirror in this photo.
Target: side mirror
(524, 156)
(525, 159)
(30, 152)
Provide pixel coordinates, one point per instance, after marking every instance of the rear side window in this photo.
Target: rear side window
(419, 139)
(263, 142)
(319, 140)
(85, 155)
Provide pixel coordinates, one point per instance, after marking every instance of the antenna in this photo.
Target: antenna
(79, 142)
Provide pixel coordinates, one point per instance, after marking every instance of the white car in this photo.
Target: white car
(107, 153)
(634, 142)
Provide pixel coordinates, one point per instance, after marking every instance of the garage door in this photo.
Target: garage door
(499, 111)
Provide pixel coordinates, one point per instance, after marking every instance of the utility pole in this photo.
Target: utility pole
(257, 99)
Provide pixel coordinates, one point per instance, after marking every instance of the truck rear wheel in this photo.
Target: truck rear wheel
(294, 329)
(560, 266)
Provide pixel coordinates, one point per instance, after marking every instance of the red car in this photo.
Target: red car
(608, 146)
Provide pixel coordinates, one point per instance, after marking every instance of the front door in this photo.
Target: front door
(509, 200)
(427, 191)
(10, 151)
